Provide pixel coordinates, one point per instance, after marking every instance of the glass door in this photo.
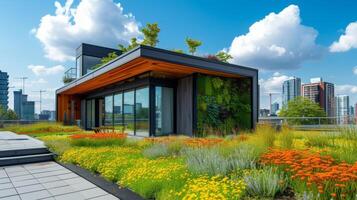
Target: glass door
(164, 110)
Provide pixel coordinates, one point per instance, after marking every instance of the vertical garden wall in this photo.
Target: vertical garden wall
(223, 105)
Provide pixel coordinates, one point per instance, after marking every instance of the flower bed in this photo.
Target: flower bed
(319, 174)
(98, 139)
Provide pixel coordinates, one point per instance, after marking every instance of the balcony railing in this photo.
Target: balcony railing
(70, 75)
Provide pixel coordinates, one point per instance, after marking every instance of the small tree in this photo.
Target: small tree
(223, 56)
(151, 34)
(133, 43)
(301, 107)
(193, 45)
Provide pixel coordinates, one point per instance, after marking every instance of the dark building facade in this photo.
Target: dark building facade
(152, 92)
(4, 89)
(23, 108)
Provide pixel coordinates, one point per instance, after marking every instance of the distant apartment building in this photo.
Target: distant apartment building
(322, 93)
(342, 109)
(264, 112)
(47, 115)
(24, 109)
(355, 113)
(291, 89)
(4, 89)
(274, 108)
(351, 114)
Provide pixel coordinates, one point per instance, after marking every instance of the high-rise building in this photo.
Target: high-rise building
(291, 89)
(351, 114)
(274, 108)
(322, 93)
(23, 108)
(342, 109)
(4, 89)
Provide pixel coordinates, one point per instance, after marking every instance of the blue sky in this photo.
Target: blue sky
(293, 41)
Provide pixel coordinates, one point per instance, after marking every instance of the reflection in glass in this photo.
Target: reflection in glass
(90, 112)
(129, 112)
(118, 112)
(164, 110)
(142, 112)
(108, 110)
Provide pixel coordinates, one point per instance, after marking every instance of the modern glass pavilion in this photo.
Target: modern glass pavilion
(153, 92)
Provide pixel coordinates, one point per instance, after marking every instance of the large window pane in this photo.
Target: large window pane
(129, 112)
(118, 112)
(90, 112)
(142, 112)
(108, 110)
(164, 110)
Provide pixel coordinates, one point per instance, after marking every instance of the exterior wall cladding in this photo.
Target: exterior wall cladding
(4, 89)
(160, 99)
(322, 93)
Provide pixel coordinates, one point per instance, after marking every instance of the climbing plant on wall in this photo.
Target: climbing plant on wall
(223, 105)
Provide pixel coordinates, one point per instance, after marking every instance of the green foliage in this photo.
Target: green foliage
(42, 128)
(106, 59)
(178, 50)
(286, 138)
(7, 114)
(88, 142)
(192, 45)
(151, 34)
(206, 161)
(301, 107)
(223, 56)
(266, 182)
(133, 44)
(223, 104)
(266, 134)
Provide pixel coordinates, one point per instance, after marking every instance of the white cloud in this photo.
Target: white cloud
(354, 70)
(99, 22)
(279, 41)
(273, 84)
(40, 70)
(346, 41)
(346, 89)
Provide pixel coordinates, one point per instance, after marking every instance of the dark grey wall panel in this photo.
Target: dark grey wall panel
(83, 113)
(184, 106)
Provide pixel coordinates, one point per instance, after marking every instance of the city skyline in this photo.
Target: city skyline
(44, 59)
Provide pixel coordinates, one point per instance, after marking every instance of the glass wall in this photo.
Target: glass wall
(118, 112)
(129, 112)
(90, 114)
(142, 112)
(108, 111)
(164, 110)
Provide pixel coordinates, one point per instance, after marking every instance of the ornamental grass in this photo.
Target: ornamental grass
(315, 173)
(98, 139)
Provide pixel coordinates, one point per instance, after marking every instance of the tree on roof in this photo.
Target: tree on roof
(193, 45)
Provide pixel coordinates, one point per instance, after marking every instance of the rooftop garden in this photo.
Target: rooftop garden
(264, 164)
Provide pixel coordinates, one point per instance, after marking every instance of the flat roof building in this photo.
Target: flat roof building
(151, 92)
(291, 90)
(322, 93)
(23, 108)
(4, 89)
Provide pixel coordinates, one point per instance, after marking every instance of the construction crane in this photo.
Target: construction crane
(270, 99)
(23, 78)
(40, 91)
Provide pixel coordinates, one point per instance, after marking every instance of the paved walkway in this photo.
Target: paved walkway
(40, 180)
(13, 141)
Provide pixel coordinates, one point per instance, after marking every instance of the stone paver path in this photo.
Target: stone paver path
(46, 180)
(13, 141)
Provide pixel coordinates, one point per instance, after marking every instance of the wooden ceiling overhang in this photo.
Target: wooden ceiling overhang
(147, 59)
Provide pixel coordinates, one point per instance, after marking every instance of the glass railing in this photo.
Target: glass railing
(70, 75)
